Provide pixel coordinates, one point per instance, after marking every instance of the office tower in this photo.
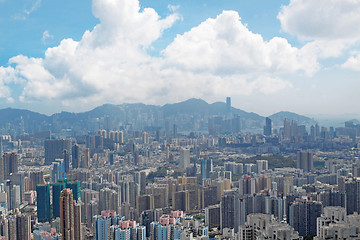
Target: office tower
(232, 213)
(76, 156)
(228, 106)
(10, 164)
(184, 158)
(352, 195)
(312, 133)
(67, 224)
(293, 129)
(56, 194)
(43, 202)
(1, 146)
(267, 128)
(304, 160)
(303, 214)
(206, 168)
(317, 131)
(55, 149)
(287, 129)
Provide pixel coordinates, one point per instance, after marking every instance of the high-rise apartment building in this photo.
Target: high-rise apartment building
(184, 158)
(70, 216)
(55, 149)
(303, 214)
(10, 165)
(304, 160)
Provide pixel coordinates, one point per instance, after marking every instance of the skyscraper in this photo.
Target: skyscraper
(10, 164)
(184, 158)
(267, 128)
(23, 226)
(43, 202)
(232, 210)
(303, 215)
(352, 195)
(304, 160)
(67, 214)
(56, 193)
(228, 106)
(55, 149)
(287, 129)
(206, 168)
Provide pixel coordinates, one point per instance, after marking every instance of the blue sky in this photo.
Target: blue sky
(301, 56)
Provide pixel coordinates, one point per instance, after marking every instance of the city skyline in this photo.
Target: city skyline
(298, 56)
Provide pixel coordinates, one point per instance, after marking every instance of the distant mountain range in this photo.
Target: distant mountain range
(189, 115)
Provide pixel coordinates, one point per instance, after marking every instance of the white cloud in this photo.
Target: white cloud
(353, 63)
(46, 35)
(173, 8)
(225, 46)
(7, 75)
(27, 11)
(33, 8)
(111, 64)
(322, 19)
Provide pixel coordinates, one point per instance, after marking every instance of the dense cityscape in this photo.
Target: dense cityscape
(191, 174)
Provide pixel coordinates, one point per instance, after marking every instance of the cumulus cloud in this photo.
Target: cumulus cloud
(353, 63)
(46, 35)
(330, 26)
(225, 46)
(322, 19)
(110, 63)
(7, 75)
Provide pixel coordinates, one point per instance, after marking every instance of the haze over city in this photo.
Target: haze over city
(299, 56)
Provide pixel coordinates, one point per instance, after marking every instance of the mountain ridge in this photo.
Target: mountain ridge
(191, 111)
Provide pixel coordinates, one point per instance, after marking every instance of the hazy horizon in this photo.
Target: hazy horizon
(297, 56)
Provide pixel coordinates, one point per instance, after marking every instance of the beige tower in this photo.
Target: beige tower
(67, 214)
